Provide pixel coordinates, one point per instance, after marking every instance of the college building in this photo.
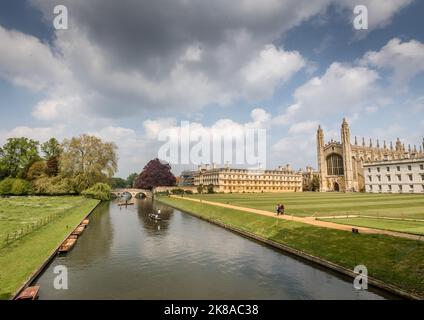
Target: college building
(341, 164)
(395, 176)
(226, 179)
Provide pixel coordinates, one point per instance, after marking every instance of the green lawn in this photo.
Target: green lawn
(393, 260)
(414, 227)
(20, 258)
(328, 204)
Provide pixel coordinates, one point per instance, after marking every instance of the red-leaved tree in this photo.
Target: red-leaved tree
(156, 173)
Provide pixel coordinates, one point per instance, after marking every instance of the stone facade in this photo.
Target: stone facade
(187, 178)
(226, 179)
(340, 164)
(395, 176)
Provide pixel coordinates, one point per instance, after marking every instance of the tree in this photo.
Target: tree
(200, 189)
(315, 183)
(156, 173)
(17, 155)
(52, 166)
(100, 191)
(88, 160)
(36, 170)
(131, 179)
(210, 188)
(118, 183)
(51, 149)
(3, 171)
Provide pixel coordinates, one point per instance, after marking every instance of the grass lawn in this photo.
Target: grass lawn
(19, 259)
(392, 260)
(414, 227)
(328, 204)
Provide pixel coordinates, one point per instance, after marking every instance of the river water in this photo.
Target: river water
(123, 254)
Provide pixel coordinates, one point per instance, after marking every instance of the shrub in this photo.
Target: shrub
(100, 191)
(210, 189)
(16, 187)
(6, 186)
(53, 186)
(188, 192)
(177, 191)
(162, 193)
(21, 187)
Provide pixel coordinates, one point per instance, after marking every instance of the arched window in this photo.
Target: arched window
(335, 165)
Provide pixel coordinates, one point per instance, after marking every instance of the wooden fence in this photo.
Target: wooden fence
(27, 229)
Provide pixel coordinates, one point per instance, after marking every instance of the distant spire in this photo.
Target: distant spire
(385, 146)
(363, 141)
(398, 145)
(409, 148)
(356, 141)
(415, 148)
(370, 143)
(391, 145)
(378, 144)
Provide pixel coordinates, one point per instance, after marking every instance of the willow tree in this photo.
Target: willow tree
(88, 160)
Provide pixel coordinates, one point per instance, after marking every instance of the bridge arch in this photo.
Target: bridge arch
(135, 193)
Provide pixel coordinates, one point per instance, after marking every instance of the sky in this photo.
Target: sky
(128, 70)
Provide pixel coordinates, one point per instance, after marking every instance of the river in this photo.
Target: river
(123, 254)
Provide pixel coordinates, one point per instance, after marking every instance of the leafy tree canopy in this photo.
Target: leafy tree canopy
(51, 148)
(156, 173)
(89, 160)
(118, 183)
(131, 179)
(17, 155)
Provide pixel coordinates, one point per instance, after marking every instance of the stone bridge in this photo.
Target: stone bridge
(134, 192)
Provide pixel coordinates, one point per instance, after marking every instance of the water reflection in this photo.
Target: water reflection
(126, 255)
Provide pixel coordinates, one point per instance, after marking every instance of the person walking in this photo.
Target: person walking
(282, 209)
(278, 208)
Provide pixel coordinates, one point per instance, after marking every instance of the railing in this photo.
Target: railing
(12, 236)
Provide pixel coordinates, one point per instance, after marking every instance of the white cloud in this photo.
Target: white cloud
(341, 90)
(405, 59)
(272, 67)
(304, 127)
(193, 54)
(103, 65)
(153, 127)
(27, 62)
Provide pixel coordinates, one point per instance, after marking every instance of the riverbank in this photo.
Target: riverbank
(53, 218)
(393, 261)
